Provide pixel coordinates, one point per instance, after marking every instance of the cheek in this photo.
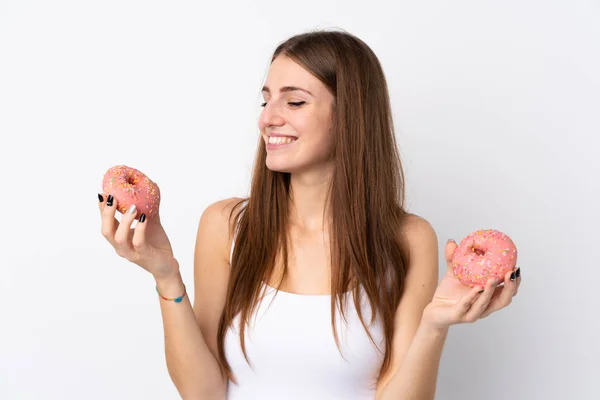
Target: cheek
(261, 123)
(323, 128)
(318, 138)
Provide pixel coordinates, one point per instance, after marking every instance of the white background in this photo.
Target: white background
(496, 105)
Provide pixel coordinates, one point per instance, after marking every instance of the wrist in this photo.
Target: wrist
(170, 286)
(167, 272)
(430, 327)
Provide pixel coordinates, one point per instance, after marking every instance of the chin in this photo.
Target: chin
(283, 164)
(279, 167)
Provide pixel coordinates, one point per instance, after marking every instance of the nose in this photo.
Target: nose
(271, 116)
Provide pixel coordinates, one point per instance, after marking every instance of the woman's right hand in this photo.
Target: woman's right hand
(146, 245)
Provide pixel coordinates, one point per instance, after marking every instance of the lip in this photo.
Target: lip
(281, 135)
(272, 146)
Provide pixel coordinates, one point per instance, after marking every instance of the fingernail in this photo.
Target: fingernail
(100, 198)
(450, 241)
(513, 276)
(481, 291)
(109, 202)
(132, 209)
(142, 218)
(518, 273)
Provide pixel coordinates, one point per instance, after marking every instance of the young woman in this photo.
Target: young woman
(319, 285)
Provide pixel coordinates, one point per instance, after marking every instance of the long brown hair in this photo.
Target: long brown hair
(366, 194)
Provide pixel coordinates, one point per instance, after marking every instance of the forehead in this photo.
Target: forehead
(284, 71)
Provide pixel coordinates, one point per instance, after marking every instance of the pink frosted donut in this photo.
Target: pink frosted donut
(482, 255)
(129, 186)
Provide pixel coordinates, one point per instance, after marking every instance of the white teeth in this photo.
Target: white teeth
(281, 140)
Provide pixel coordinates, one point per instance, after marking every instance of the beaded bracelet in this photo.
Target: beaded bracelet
(176, 299)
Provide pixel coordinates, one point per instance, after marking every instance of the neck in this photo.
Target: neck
(308, 195)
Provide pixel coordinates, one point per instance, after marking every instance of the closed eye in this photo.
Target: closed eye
(291, 103)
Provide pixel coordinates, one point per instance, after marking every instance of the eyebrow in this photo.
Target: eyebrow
(288, 89)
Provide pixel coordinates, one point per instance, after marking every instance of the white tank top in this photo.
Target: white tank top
(293, 353)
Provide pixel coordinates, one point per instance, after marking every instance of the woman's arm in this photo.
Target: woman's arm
(428, 309)
(191, 333)
(416, 348)
(417, 376)
(191, 365)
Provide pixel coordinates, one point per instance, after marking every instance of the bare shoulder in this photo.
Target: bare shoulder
(422, 244)
(221, 209)
(418, 233)
(419, 285)
(211, 267)
(216, 222)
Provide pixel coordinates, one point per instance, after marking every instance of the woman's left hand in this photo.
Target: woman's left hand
(456, 303)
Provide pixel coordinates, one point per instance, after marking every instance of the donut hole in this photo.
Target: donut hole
(478, 250)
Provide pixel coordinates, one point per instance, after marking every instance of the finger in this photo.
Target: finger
(482, 302)
(109, 222)
(504, 298)
(101, 200)
(124, 233)
(518, 280)
(450, 248)
(465, 302)
(139, 236)
(449, 253)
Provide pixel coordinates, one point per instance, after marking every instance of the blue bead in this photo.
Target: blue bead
(178, 300)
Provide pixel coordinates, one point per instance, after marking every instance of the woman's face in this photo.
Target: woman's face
(297, 118)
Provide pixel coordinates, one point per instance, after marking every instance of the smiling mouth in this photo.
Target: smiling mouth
(279, 140)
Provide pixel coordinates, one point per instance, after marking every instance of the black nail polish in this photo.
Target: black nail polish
(142, 217)
(513, 276)
(100, 198)
(109, 202)
(481, 291)
(518, 274)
